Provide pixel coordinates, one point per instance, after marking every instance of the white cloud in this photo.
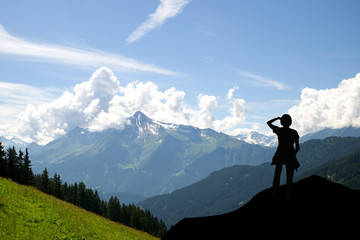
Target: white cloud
(19, 94)
(231, 92)
(14, 99)
(263, 81)
(72, 56)
(166, 9)
(329, 108)
(102, 103)
(237, 116)
(47, 121)
(207, 105)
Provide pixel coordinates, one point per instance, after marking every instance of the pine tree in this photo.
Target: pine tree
(45, 183)
(20, 167)
(75, 195)
(57, 191)
(104, 208)
(12, 160)
(97, 203)
(114, 209)
(28, 176)
(3, 162)
(81, 200)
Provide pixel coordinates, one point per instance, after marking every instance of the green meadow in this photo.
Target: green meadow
(27, 213)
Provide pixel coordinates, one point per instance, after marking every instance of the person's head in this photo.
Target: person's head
(286, 120)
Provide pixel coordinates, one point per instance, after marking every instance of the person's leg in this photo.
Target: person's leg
(277, 174)
(289, 180)
(289, 175)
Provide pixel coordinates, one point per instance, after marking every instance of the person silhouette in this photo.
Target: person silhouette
(285, 153)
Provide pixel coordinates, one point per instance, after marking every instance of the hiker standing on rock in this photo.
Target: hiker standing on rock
(285, 153)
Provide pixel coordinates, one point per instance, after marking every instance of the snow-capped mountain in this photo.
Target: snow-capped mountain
(146, 157)
(144, 126)
(13, 141)
(254, 137)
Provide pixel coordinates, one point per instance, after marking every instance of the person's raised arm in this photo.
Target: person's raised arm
(270, 122)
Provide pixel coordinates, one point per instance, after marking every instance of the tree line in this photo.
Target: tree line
(17, 166)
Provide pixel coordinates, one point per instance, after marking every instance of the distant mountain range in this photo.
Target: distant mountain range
(149, 157)
(225, 190)
(254, 137)
(19, 144)
(146, 157)
(13, 141)
(328, 132)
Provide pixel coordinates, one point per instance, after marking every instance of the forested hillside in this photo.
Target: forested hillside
(27, 213)
(345, 171)
(229, 188)
(17, 166)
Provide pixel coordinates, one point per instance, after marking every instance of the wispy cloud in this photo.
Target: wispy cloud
(22, 94)
(263, 81)
(73, 56)
(166, 9)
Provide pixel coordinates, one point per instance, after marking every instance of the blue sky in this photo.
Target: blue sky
(267, 52)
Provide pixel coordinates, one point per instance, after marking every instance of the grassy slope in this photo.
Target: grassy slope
(26, 213)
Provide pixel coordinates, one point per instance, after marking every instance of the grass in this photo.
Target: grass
(26, 213)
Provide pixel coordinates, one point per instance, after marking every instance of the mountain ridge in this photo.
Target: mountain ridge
(249, 136)
(327, 132)
(227, 189)
(146, 157)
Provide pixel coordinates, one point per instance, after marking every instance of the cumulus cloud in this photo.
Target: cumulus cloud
(328, 108)
(14, 99)
(92, 58)
(47, 121)
(101, 103)
(166, 9)
(207, 105)
(167, 106)
(231, 92)
(237, 116)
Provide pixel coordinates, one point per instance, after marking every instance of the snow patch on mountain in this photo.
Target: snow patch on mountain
(167, 126)
(254, 137)
(13, 141)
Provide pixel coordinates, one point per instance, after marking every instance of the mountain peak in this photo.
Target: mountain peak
(141, 117)
(143, 125)
(138, 114)
(313, 206)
